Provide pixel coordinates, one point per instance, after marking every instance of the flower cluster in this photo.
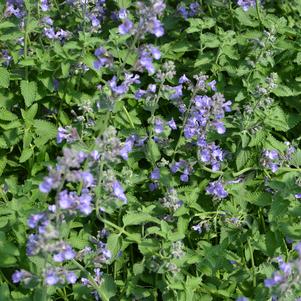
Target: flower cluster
(171, 200)
(217, 190)
(246, 4)
(184, 167)
(148, 12)
(273, 159)
(14, 8)
(191, 11)
(285, 281)
(103, 58)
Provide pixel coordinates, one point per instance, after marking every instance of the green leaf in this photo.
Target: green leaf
(138, 218)
(4, 78)
(45, 129)
(108, 287)
(3, 162)
(25, 155)
(7, 115)
(114, 243)
(30, 114)
(4, 292)
(152, 152)
(243, 158)
(29, 91)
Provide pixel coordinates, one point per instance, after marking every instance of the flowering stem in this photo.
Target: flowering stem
(183, 124)
(92, 281)
(26, 39)
(154, 110)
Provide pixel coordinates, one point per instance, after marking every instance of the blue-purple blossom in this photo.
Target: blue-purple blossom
(246, 4)
(171, 123)
(270, 159)
(118, 191)
(155, 174)
(46, 185)
(127, 147)
(125, 27)
(217, 190)
(18, 276)
(159, 126)
(65, 253)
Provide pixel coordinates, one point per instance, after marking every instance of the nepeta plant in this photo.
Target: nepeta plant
(149, 150)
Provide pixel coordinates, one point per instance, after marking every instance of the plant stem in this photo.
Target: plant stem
(92, 281)
(128, 116)
(253, 262)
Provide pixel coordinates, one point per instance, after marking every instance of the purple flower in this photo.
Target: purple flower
(51, 278)
(71, 277)
(128, 146)
(18, 276)
(246, 4)
(66, 253)
(171, 123)
(119, 192)
(183, 11)
(156, 54)
(125, 27)
(155, 174)
(34, 219)
(159, 126)
(197, 228)
(46, 185)
(184, 177)
(87, 178)
(177, 92)
(153, 186)
(155, 27)
(183, 79)
(298, 196)
(146, 62)
(217, 190)
(66, 200)
(44, 5)
(212, 85)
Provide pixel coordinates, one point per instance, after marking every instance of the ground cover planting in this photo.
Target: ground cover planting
(150, 150)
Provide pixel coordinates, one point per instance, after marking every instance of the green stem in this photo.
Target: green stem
(154, 110)
(128, 116)
(258, 11)
(26, 40)
(253, 262)
(183, 124)
(119, 229)
(238, 173)
(92, 281)
(218, 172)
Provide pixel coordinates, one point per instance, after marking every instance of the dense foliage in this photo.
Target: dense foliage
(150, 150)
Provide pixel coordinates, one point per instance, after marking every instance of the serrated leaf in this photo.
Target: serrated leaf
(3, 161)
(152, 152)
(28, 91)
(138, 218)
(108, 287)
(4, 78)
(45, 129)
(242, 158)
(25, 155)
(7, 115)
(30, 114)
